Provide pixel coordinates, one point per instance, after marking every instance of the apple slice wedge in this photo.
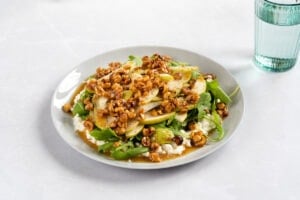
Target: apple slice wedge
(149, 119)
(134, 131)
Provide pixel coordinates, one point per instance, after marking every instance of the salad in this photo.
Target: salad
(148, 109)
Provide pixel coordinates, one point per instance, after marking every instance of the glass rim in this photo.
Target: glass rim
(283, 4)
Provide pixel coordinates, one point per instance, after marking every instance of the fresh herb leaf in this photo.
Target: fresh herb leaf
(174, 63)
(170, 120)
(176, 126)
(219, 128)
(203, 105)
(138, 61)
(129, 153)
(214, 87)
(127, 150)
(195, 75)
(79, 109)
(106, 147)
(85, 94)
(104, 134)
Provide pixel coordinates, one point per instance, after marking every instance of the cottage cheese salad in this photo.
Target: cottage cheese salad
(148, 109)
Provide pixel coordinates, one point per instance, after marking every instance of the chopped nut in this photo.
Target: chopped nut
(146, 141)
(177, 139)
(154, 156)
(148, 131)
(67, 107)
(88, 125)
(192, 125)
(177, 76)
(154, 146)
(221, 105)
(89, 106)
(198, 139)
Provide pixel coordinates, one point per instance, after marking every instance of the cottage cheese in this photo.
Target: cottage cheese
(78, 123)
(173, 149)
(205, 125)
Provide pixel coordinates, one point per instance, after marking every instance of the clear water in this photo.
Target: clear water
(277, 37)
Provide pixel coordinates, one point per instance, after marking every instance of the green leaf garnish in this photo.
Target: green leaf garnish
(104, 134)
(138, 61)
(214, 87)
(79, 109)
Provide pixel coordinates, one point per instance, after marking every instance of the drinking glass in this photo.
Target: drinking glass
(277, 34)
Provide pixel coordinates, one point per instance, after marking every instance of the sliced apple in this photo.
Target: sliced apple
(134, 131)
(153, 93)
(149, 119)
(199, 86)
(175, 85)
(180, 117)
(132, 125)
(149, 106)
(156, 99)
(184, 68)
(166, 77)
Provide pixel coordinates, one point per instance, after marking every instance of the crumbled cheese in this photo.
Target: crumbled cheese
(171, 150)
(160, 150)
(146, 154)
(92, 139)
(205, 125)
(100, 142)
(77, 97)
(78, 123)
(186, 142)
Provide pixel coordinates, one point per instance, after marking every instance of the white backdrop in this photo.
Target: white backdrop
(42, 40)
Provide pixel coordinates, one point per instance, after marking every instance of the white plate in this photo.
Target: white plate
(64, 125)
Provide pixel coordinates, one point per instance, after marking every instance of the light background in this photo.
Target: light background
(41, 41)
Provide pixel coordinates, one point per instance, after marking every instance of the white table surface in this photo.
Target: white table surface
(40, 41)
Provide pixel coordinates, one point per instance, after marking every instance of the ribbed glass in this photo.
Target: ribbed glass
(277, 35)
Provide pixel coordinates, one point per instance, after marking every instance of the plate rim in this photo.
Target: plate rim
(145, 165)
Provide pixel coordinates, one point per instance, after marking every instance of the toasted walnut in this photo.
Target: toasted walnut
(148, 131)
(198, 139)
(192, 98)
(209, 76)
(88, 125)
(221, 105)
(114, 65)
(153, 112)
(154, 146)
(177, 139)
(192, 125)
(177, 76)
(123, 117)
(222, 109)
(67, 107)
(91, 84)
(154, 157)
(89, 106)
(146, 141)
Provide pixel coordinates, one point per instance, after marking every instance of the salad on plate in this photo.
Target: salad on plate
(148, 109)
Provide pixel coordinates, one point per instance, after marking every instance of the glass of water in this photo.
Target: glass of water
(277, 34)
